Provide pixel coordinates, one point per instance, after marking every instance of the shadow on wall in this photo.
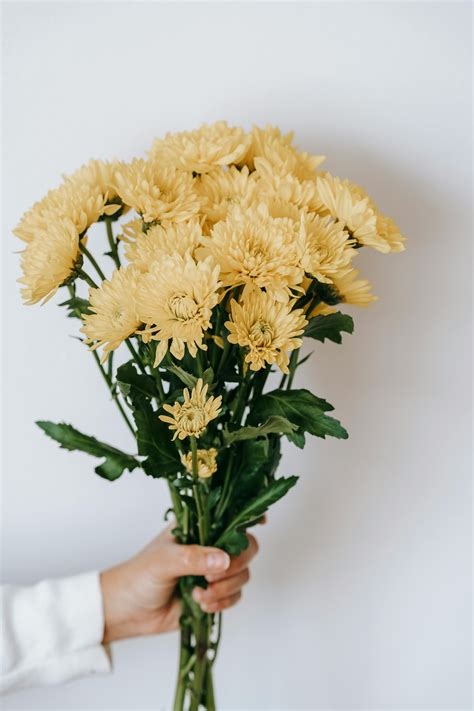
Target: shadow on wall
(368, 379)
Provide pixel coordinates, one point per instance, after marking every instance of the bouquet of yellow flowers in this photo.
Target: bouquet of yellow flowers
(229, 247)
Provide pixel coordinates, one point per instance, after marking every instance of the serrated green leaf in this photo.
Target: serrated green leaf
(76, 306)
(188, 378)
(297, 438)
(233, 542)
(132, 382)
(274, 425)
(69, 438)
(154, 441)
(330, 326)
(300, 407)
(254, 510)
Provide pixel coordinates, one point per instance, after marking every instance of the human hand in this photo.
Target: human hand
(139, 594)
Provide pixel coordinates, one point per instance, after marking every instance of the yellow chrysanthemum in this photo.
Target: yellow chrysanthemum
(175, 301)
(353, 211)
(114, 316)
(352, 290)
(49, 260)
(224, 188)
(204, 149)
(144, 248)
(99, 175)
(258, 251)
(389, 237)
(269, 143)
(267, 328)
(191, 418)
(157, 192)
(207, 462)
(82, 204)
(287, 188)
(328, 247)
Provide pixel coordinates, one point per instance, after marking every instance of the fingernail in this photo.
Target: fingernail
(197, 594)
(218, 561)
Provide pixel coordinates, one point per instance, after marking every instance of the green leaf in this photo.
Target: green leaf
(131, 382)
(154, 441)
(77, 307)
(297, 438)
(188, 378)
(330, 326)
(68, 437)
(248, 472)
(302, 408)
(233, 535)
(233, 541)
(275, 424)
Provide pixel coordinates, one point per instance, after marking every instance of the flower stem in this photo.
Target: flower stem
(92, 260)
(83, 275)
(113, 393)
(135, 356)
(197, 494)
(292, 367)
(112, 243)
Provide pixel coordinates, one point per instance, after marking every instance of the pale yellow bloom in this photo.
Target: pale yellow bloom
(206, 459)
(157, 192)
(49, 260)
(191, 418)
(144, 248)
(269, 143)
(353, 211)
(82, 204)
(352, 290)
(287, 188)
(328, 247)
(204, 149)
(389, 238)
(99, 175)
(267, 328)
(258, 251)
(114, 308)
(175, 301)
(224, 188)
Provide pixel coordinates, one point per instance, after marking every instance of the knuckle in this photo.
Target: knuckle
(254, 547)
(189, 557)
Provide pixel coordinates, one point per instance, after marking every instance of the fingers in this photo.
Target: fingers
(222, 604)
(178, 560)
(213, 596)
(237, 564)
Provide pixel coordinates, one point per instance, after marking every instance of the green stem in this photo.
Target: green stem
(197, 494)
(83, 275)
(113, 393)
(135, 356)
(292, 367)
(199, 363)
(184, 667)
(225, 489)
(240, 400)
(112, 243)
(92, 260)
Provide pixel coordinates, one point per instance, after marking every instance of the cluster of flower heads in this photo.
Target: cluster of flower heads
(210, 211)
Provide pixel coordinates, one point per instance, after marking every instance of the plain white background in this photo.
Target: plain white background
(360, 597)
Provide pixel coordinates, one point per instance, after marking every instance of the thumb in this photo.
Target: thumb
(192, 559)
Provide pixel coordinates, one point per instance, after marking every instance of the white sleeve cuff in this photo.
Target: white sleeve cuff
(52, 632)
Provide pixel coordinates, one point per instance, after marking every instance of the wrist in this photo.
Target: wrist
(120, 619)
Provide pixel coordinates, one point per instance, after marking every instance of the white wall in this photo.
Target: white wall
(360, 597)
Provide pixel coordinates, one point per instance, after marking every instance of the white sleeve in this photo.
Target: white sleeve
(51, 632)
